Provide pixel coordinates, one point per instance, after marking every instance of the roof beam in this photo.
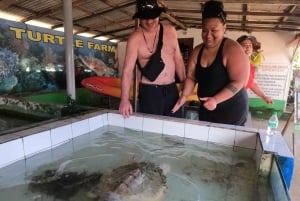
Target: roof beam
(189, 20)
(7, 3)
(290, 11)
(115, 31)
(124, 6)
(170, 16)
(244, 17)
(240, 13)
(253, 28)
(281, 2)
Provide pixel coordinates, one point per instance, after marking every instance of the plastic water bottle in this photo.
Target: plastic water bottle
(272, 124)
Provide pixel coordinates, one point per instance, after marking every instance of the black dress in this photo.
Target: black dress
(213, 79)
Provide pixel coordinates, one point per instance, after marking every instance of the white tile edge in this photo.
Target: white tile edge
(105, 120)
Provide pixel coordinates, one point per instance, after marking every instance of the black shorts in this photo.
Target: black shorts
(158, 99)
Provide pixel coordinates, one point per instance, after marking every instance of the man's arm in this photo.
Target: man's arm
(129, 64)
(125, 107)
(179, 63)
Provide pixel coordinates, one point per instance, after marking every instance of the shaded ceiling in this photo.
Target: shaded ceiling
(113, 18)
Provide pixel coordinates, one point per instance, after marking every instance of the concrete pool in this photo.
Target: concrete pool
(27, 143)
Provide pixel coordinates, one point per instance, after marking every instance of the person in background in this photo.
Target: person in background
(247, 43)
(158, 95)
(221, 69)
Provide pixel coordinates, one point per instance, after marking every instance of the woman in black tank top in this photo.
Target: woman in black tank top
(221, 69)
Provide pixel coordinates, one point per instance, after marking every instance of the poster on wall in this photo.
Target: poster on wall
(32, 59)
(274, 80)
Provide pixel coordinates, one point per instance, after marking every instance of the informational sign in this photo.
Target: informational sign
(297, 100)
(274, 79)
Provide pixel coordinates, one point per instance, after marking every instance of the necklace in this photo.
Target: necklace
(150, 50)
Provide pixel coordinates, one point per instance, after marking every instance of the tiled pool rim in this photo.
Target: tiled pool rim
(26, 143)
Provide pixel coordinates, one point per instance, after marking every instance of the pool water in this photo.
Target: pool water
(195, 170)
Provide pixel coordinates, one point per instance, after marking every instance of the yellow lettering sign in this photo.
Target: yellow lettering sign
(37, 36)
(79, 43)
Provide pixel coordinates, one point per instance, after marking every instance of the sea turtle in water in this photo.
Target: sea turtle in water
(61, 185)
(132, 182)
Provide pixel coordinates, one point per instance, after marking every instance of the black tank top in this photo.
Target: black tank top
(213, 79)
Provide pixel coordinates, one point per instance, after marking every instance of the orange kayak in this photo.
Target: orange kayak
(111, 86)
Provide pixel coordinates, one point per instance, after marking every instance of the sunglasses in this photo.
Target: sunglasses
(147, 6)
(221, 15)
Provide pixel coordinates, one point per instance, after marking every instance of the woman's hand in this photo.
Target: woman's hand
(267, 99)
(209, 103)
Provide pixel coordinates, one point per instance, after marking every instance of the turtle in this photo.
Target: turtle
(62, 185)
(131, 182)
